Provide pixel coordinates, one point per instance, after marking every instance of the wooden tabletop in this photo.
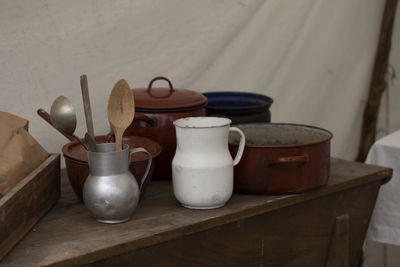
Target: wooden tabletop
(68, 235)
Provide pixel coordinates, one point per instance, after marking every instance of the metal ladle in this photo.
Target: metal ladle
(63, 117)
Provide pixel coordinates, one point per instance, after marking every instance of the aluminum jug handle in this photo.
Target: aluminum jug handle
(241, 145)
(150, 160)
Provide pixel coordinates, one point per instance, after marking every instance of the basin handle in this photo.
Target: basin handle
(142, 117)
(291, 159)
(241, 144)
(149, 161)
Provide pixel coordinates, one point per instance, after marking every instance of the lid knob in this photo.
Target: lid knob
(156, 99)
(171, 88)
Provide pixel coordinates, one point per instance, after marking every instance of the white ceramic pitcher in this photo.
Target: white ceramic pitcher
(202, 168)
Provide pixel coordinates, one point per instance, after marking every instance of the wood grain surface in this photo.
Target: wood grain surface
(338, 255)
(28, 201)
(286, 230)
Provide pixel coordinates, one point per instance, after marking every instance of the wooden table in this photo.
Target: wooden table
(323, 227)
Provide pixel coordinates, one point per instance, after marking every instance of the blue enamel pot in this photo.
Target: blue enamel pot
(240, 107)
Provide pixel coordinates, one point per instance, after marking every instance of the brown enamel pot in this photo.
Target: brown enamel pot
(281, 158)
(78, 169)
(155, 111)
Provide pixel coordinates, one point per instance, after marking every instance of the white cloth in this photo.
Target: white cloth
(314, 58)
(385, 222)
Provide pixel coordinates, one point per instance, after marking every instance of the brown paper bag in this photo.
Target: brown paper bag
(20, 155)
(8, 125)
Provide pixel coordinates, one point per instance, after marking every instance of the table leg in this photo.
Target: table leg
(338, 255)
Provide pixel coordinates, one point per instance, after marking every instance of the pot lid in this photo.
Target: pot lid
(166, 98)
(76, 152)
(237, 103)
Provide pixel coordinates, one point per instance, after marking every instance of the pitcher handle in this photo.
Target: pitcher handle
(141, 149)
(241, 145)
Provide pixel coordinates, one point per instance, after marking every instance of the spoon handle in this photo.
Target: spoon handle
(118, 132)
(46, 116)
(86, 105)
(90, 143)
(80, 142)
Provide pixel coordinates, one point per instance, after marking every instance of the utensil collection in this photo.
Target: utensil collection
(175, 134)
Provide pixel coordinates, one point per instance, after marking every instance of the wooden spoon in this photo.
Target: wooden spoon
(120, 110)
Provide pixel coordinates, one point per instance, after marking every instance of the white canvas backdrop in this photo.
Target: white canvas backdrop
(313, 57)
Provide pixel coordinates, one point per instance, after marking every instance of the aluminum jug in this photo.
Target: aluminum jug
(111, 192)
(202, 168)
